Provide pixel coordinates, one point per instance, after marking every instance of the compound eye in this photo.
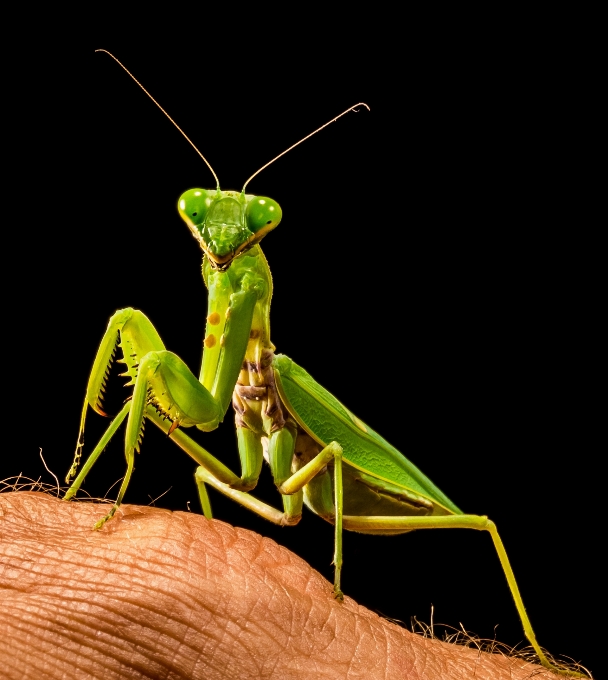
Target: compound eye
(263, 213)
(193, 206)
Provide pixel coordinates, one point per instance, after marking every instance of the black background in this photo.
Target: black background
(427, 271)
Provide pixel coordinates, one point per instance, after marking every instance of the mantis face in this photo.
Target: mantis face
(227, 223)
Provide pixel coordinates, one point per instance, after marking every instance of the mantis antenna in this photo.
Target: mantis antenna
(257, 172)
(293, 146)
(166, 114)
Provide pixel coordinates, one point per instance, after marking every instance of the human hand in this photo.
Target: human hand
(157, 594)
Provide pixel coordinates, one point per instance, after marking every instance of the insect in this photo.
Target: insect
(320, 454)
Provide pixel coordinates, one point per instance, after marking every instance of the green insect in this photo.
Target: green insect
(320, 454)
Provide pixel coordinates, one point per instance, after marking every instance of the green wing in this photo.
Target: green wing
(326, 419)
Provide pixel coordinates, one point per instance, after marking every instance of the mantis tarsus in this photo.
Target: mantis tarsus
(320, 454)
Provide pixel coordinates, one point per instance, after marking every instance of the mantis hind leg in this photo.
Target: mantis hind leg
(481, 523)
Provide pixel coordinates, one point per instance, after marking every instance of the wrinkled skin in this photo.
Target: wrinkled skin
(157, 594)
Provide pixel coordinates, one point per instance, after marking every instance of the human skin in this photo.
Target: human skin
(160, 594)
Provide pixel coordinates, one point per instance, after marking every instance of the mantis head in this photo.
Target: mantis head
(227, 223)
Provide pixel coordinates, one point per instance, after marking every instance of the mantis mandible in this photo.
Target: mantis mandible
(319, 453)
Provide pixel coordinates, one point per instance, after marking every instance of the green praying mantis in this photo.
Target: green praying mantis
(320, 454)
